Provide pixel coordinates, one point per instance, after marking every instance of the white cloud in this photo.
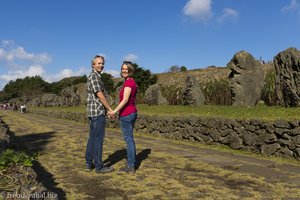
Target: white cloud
(19, 63)
(38, 70)
(34, 70)
(16, 62)
(200, 10)
(292, 6)
(17, 57)
(114, 73)
(228, 14)
(65, 73)
(131, 57)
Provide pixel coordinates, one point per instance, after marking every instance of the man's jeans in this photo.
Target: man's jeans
(127, 124)
(95, 142)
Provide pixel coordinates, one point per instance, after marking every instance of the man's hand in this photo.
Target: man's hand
(111, 114)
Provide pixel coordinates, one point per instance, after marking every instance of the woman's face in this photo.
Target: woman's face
(124, 71)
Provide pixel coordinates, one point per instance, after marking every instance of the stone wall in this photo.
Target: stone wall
(279, 138)
(4, 137)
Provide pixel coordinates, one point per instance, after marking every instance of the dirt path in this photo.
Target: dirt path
(166, 169)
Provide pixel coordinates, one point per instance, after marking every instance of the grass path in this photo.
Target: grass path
(166, 169)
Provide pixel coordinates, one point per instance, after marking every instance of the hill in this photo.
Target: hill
(202, 75)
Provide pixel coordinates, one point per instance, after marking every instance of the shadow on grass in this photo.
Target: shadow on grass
(32, 144)
(115, 157)
(143, 155)
(121, 154)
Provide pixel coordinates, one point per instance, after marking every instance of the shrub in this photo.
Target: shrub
(217, 92)
(268, 94)
(183, 69)
(108, 82)
(173, 94)
(10, 157)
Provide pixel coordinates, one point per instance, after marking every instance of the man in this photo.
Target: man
(96, 109)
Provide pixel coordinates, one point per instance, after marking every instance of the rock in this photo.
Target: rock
(51, 100)
(191, 92)
(153, 96)
(269, 149)
(69, 96)
(246, 79)
(4, 137)
(287, 67)
(80, 90)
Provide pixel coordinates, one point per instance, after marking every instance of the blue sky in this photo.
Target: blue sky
(58, 38)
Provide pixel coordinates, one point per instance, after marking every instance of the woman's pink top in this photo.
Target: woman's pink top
(129, 107)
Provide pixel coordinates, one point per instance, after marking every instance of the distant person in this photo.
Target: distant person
(22, 108)
(127, 114)
(96, 110)
(15, 107)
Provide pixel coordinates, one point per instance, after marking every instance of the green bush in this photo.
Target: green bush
(108, 82)
(268, 90)
(10, 157)
(217, 92)
(57, 87)
(27, 86)
(173, 94)
(183, 69)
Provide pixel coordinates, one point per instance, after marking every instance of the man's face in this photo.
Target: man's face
(98, 64)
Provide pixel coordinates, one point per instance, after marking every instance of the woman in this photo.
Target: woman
(128, 114)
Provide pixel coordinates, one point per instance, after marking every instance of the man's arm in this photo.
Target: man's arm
(103, 100)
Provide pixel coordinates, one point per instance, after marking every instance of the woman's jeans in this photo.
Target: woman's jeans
(95, 142)
(127, 124)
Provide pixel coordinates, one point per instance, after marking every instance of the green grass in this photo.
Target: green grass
(261, 112)
(268, 113)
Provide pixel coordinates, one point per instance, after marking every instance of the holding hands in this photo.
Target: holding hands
(111, 114)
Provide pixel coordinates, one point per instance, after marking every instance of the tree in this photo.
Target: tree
(183, 69)
(27, 86)
(174, 68)
(81, 79)
(108, 82)
(143, 78)
(57, 87)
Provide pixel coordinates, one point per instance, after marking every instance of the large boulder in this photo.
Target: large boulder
(246, 79)
(81, 92)
(70, 97)
(191, 92)
(287, 67)
(49, 99)
(153, 96)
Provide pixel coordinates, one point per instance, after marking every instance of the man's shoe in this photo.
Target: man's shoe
(89, 168)
(127, 169)
(104, 170)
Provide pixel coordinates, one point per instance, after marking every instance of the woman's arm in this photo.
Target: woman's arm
(126, 95)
